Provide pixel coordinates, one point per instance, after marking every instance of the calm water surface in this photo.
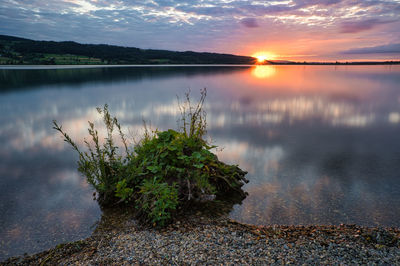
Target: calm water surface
(321, 143)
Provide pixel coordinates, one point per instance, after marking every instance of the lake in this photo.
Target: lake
(321, 143)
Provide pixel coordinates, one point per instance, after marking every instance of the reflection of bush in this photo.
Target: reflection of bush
(165, 172)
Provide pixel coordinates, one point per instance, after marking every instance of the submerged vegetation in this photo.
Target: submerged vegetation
(164, 173)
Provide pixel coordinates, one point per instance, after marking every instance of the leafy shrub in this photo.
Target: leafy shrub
(162, 172)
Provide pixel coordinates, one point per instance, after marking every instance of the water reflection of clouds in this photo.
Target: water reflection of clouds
(44, 201)
(359, 82)
(394, 118)
(26, 134)
(323, 201)
(314, 153)
(271, 110)
(352, 178)
(303, 109)
(296, 203)
(248, 157)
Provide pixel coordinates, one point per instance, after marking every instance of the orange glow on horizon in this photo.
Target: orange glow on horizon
(263, 56)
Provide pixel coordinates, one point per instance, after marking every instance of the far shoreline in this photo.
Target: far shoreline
(269, 63)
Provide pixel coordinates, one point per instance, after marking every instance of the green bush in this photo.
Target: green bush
(162, 172)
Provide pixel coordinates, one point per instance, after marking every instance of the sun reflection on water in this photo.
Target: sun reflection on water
(263, 72)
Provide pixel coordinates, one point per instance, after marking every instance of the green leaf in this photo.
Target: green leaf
(196, 155)
(172, 148)
(198, 165)
(153, 168)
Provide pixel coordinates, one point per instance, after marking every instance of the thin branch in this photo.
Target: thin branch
(190, 194)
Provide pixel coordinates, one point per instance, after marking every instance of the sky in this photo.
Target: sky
(282, 29)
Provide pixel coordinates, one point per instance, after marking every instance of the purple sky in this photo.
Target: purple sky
(293, 29)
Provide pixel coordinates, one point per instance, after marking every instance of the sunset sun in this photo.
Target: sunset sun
(263, 56)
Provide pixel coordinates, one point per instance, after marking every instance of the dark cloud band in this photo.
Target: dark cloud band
(382, 49)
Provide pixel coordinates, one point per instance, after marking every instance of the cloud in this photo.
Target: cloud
(303, 3)
(393, 48)
(207, 25)
(249, 22)
(358, 26)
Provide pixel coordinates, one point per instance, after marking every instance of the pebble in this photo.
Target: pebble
(223, 241)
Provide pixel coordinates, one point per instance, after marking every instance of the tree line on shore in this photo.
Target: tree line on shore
(14, 50)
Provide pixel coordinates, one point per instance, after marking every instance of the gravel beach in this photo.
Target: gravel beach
(198, 239)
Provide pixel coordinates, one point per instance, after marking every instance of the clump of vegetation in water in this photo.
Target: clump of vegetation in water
(165, 171)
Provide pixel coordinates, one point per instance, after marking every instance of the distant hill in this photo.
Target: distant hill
(277, 62)
(15, 50)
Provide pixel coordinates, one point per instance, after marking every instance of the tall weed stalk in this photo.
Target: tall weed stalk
(101, 164)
